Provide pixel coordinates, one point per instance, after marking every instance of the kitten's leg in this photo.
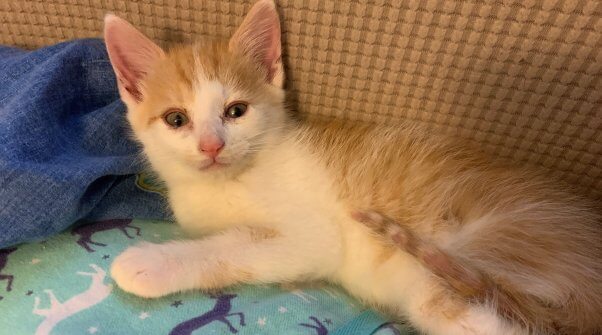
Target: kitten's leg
(459, 299)
(238, 255)
(465, 280)
(436, 312)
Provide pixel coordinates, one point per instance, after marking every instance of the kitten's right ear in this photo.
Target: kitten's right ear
(132, 55)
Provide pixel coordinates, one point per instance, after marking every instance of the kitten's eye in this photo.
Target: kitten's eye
(175, 118)
(235, 110)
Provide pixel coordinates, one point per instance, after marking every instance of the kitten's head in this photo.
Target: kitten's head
(203, 109)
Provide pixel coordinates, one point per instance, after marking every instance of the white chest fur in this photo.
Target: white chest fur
(290, 192)
(207, 207)
(284, 186)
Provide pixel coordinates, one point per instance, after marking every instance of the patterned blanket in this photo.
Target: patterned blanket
(62, 286)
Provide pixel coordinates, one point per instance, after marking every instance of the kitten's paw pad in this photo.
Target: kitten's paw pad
(146, 270)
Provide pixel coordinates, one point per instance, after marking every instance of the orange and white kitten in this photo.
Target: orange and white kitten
(277, 197)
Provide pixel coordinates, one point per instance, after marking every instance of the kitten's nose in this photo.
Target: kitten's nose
(211, 146)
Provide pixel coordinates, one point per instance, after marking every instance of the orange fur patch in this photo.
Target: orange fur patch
(172, 79)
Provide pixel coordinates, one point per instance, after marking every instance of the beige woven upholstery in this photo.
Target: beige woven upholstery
(519, 78)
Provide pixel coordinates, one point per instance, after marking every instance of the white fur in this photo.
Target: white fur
(288, 191)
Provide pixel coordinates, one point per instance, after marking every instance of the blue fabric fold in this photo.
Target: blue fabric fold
(66, 152)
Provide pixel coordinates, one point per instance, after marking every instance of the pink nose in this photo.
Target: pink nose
(211, 146)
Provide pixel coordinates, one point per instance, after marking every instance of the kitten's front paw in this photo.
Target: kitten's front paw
(147, 270)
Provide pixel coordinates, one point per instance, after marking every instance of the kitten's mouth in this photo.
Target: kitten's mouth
(214, 165)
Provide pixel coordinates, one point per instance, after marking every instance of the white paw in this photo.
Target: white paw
(147, 270)
(482, 320)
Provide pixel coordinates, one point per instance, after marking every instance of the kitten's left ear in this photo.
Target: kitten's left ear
(259, 37)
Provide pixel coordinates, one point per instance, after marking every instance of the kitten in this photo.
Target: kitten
(277, 198)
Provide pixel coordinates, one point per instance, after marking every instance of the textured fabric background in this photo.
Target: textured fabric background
(519, 78)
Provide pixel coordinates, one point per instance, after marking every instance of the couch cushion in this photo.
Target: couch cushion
(518, 78)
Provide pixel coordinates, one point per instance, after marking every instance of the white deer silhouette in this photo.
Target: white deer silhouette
(58, 311)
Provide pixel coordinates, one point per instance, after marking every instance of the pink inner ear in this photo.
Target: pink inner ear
(259, 36)
(131, 53)
(128, 78)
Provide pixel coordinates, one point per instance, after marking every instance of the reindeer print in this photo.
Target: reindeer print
(58, 311)
(220, 312)
(3, 260)
(85, 232)
(316, 325)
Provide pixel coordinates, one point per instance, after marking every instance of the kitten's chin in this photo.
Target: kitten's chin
(229, 166)
(213, 166)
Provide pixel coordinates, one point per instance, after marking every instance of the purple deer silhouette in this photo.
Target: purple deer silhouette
(220, 312)
(317, 325)
(86, 231)
(3, 260)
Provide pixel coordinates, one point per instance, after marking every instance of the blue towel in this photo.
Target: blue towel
(66, 152)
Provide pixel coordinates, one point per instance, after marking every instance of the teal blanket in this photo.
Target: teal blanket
(63, 286)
